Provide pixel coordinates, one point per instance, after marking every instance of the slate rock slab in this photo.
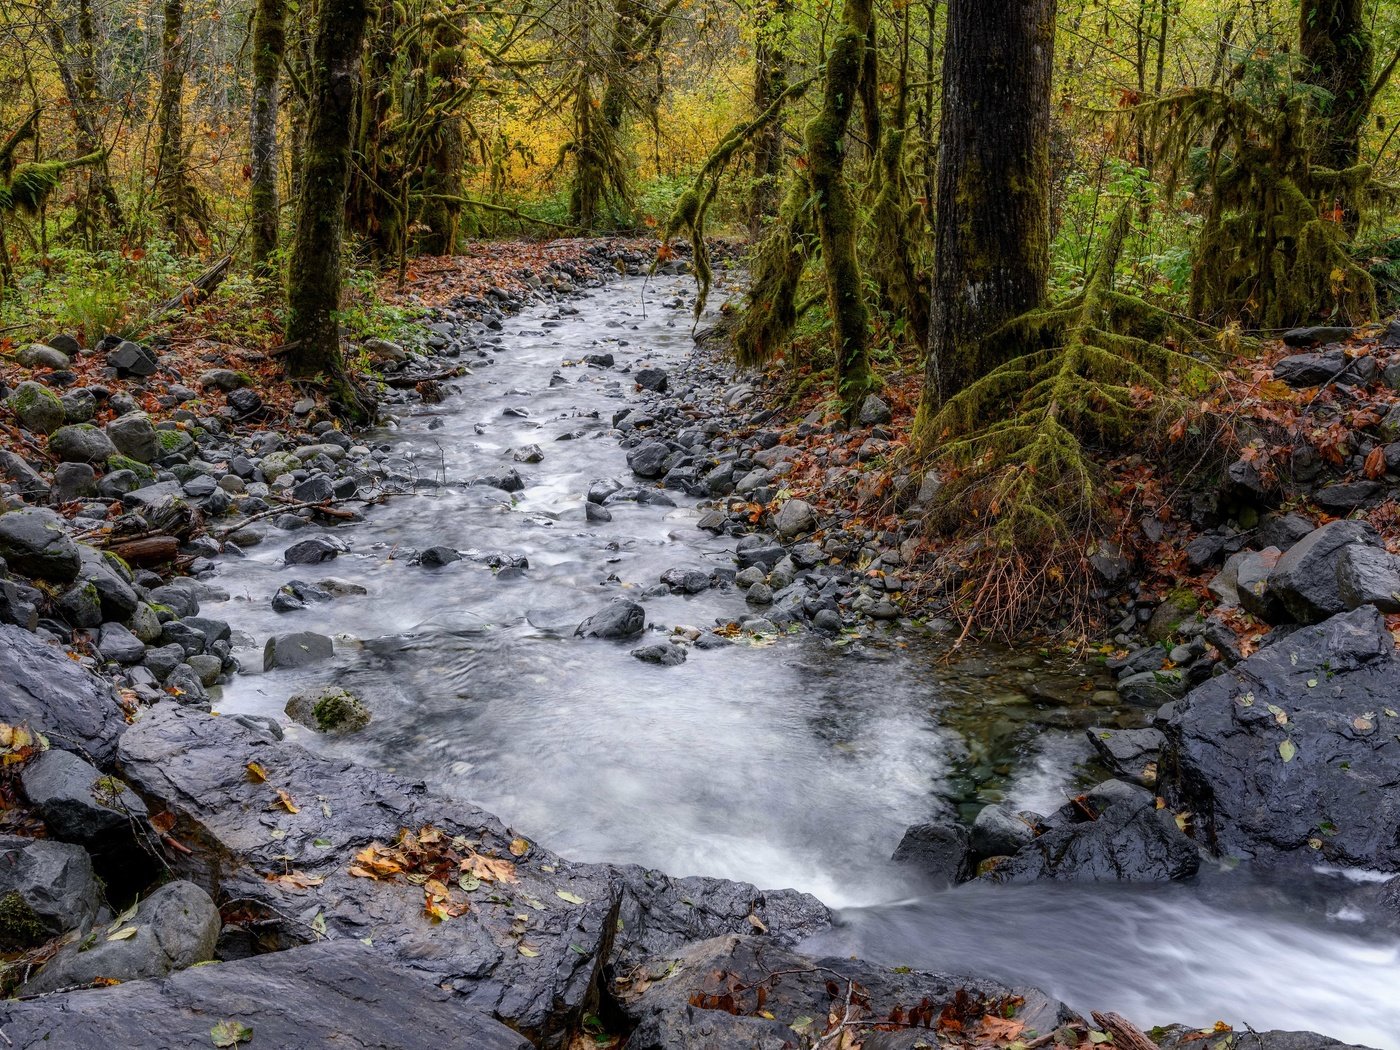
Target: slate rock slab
(42, 688)
(1295, 750)
(340, 994)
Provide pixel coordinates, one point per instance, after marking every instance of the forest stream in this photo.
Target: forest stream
(792, 764)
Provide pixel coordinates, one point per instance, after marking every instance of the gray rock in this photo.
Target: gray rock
(64, 344)
(36, 407)
(314, 551)
(224, 379)
(337, 994)
(46, 888)
(37, 355)
(26, 479)
(135, 437)
(43, 689)
(664, 654)
(998, 832)
(176, 927)
(620, 619)
(1252, 576)
(74, 481)
(1369, 576)
(118, 644)
(1130, 753)
(437, 557)
(595, 513)
(77, 802)
(940, 851)
(654, 379)
(81, 443)
(794, 518)
(296, 650)
(79, 406)
(874, 411)
(329, 709)
(1151, 688)
(648, 459)
(132, 359)
(1305, 579)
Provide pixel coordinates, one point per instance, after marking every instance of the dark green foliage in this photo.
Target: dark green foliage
(30, 184)
(770, 309)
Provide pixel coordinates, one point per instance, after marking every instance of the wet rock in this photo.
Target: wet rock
(600, 489)
(1255, 596)
(195, 765)
(730, 970)
(940, 851)
(437, 557)
(510, 481)
(314, 551)
(74, 481)
(1130, 753)
(664, 654)
(1151, 688)
(620, 619)
(296, 650)
(81, 443)
(36, 407)
(175, 928)
(342, 993)
(1346, 496)
(1305, 579)
(43, 689)
(1292, 751)
(1369, 576)
(528, 454)
(118, 644)
(595, 513)
(654, 379)
(874, 412)
(328, 710)
(28, 481)
(1176, 608)
(999, 832)
(1180, 1037)
(135, 437)
(1131, 840)
(46, 888)
(37, 355)
(648, 460)
(1320, 369)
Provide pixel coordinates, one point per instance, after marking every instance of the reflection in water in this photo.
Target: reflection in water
(795, 765)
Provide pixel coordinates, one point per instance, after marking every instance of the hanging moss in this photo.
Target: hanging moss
(770, 308)
(30, 184)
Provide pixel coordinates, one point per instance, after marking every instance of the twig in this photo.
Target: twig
(288, 508)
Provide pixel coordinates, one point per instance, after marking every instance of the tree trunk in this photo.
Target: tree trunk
(314, 270)
(1336, 49)
(769, 83)
(991, 236)
(172, 190)
(444, 153)
(269, 44)
(836, 210)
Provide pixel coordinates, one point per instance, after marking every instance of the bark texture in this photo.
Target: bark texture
(992, 252)
(269, 45)
(1337, 57)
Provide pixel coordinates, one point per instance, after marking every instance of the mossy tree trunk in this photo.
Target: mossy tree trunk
(769, 84)
(444, 146)
(314, 270)
(269, 45)
(992, 226)
(836, 209)
(1335, 45)
(176, 199)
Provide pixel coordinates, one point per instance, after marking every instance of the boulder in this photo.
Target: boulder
(1130, 840)
(1369, 576)
(1305, 579)
(1295, 750)
(1252, 589)
(46, 888)
(135, 437)
(620, 619)
(648, 460)
(1323, 368)
(42, 688)
(1130, 753)
(437, 557)
(939, 850)
(654, 379)
(999, 832)
(34, 542)
(342, 994)
(28, 481)
(296, 650)
(174, 928)
(80, 443)
(37, 355)
(874, 411)
(74, 481)
(37, 408)
(132, 359)
(314, 551)
(1181, 1037)
(794, 518)
(78, 803)
(664, 654)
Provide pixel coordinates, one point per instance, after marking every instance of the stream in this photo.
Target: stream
(796, 764)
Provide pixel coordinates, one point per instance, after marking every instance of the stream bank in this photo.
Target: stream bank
(769, 757)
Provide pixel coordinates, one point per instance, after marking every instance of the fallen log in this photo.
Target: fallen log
(1126, 1035)
(151, 550)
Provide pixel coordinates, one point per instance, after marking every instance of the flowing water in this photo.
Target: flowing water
(796, 764)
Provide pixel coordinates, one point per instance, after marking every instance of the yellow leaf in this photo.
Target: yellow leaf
(122, 934)
(564, 895)
(519, 847)
(256, 773)
(527, 951)
(285, 800)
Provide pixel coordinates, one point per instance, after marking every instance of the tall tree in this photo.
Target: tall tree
(770, 76)
(1335, 44)
(314, 270)
(992, 227)
(269, 45)
(836, 208)
(176, 199)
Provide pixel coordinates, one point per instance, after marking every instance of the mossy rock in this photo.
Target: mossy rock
(1176, 608)
(38, 408)
(329, 710)
(20, 925)
(120, 462)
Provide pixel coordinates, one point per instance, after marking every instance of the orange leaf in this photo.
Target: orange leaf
(1375, 462)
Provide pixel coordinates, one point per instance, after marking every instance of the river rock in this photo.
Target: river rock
(1130, 753)
(620, 619)
(939, 850)
(1369, 576)
(37, 355)
(338, 994)
(328, 710)
(43, 689)
(648, 460)
(296, 650)
(132, 359)
(1252, 587)
(36, 407)
(1131, 840)
(706, 996)
(1181, 1037)
(437, 557)
(1293, 750)
(176, 927)
(78, 803)
(794, 518)
(664, 654)
(135, 437)
(874, 411)
(654, 379)
(999, 832)
(1305, 579)
(314, 551)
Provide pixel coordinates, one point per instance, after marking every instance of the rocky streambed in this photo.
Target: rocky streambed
(526, 616)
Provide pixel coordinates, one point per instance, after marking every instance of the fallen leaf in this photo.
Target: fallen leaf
(256, 773)
(123, 934)
(230, 1033)
(527, 951)
(1287, 750)
(285, 801)
(519, 847)
(297, 880)
(565, 895)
